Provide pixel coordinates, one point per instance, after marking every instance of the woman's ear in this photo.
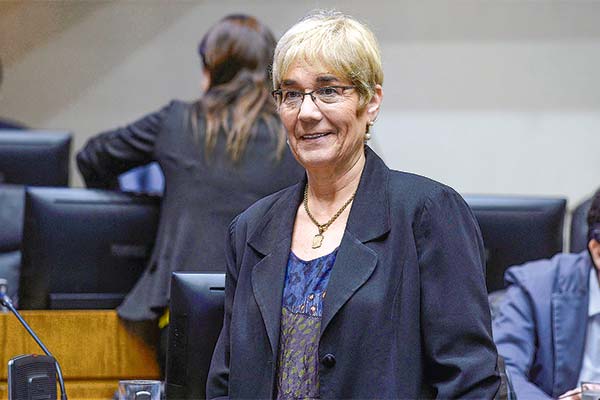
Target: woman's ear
(374, 104)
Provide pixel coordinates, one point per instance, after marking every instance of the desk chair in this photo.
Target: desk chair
(579, 227)
(517, 229)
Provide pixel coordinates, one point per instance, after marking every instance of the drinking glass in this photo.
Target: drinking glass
(139, 390)
(590, 390)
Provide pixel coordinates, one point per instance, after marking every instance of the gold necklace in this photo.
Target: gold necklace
(318, 239)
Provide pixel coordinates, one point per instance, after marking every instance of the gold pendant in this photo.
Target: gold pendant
(317, 241)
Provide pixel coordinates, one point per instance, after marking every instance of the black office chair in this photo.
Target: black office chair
(579, 227)
(12, 204)
(196, 317)
(517, 229)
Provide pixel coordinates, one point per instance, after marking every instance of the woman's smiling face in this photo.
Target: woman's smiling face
(325, 135)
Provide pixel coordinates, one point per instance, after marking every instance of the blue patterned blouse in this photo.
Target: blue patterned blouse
(301, 312)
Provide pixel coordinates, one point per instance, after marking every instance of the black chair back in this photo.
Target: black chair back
(517, 229)
(579, 227)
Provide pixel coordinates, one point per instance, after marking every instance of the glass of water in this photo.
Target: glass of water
(590, 390)
(139, 390)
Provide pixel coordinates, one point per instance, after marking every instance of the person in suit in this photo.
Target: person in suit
(548, 323)
(218, 154)
(359, 281)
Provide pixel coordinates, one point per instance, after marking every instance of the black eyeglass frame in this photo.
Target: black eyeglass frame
(279, 92)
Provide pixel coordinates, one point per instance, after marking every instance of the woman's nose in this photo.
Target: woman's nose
(309, 111)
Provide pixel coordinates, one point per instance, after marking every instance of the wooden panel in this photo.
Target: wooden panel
(94, 347)
(88, 390)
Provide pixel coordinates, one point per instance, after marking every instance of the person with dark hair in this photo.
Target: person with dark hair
(548, 324)
(219, 155)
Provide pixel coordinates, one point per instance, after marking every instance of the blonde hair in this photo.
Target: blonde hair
(340, 43)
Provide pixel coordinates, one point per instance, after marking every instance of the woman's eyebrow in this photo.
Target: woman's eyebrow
(319, 80)
(327, 79)
(288, 82)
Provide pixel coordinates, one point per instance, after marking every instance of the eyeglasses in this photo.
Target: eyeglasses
(294, 98)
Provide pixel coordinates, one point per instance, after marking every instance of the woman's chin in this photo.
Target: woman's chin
(315, 159)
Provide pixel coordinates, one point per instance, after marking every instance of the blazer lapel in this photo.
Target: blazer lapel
(268, 277)
(272, 241)
(569, 316)
(353, 266)
(368, 220)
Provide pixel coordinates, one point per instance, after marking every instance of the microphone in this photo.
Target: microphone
(6, 302)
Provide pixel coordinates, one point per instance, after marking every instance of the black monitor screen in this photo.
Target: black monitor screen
(83, 248)
(37, 158)
(516, 230)
(196, 318)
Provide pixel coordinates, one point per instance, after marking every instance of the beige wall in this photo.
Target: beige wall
(487, 96)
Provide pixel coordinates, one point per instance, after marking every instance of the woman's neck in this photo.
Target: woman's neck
(329, 187)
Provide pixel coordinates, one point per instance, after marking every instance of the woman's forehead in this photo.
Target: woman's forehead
(303, 72)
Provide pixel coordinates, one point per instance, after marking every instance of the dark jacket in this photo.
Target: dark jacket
(203, 193)
(406, 313)
(541, 324)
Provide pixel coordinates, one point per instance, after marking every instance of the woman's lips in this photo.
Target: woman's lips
(313, 136)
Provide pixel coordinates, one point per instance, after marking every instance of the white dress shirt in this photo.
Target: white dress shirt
(590, 367)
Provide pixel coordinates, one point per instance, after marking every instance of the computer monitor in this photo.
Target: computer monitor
(516, 230)
(196, 318)
(34, 157)
(12, 205)
(83, 249)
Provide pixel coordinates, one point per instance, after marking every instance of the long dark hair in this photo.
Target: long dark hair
(237, 53)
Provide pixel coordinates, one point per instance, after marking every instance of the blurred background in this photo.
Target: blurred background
(495, 97)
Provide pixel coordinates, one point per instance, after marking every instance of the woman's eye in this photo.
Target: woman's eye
(328, 91)
(292, 95)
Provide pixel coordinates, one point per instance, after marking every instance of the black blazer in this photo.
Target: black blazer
(203, 192)
(406, 314)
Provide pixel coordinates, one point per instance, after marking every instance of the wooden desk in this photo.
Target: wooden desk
(95, 349)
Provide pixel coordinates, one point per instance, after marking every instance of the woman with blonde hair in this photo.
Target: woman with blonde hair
(359, 282)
